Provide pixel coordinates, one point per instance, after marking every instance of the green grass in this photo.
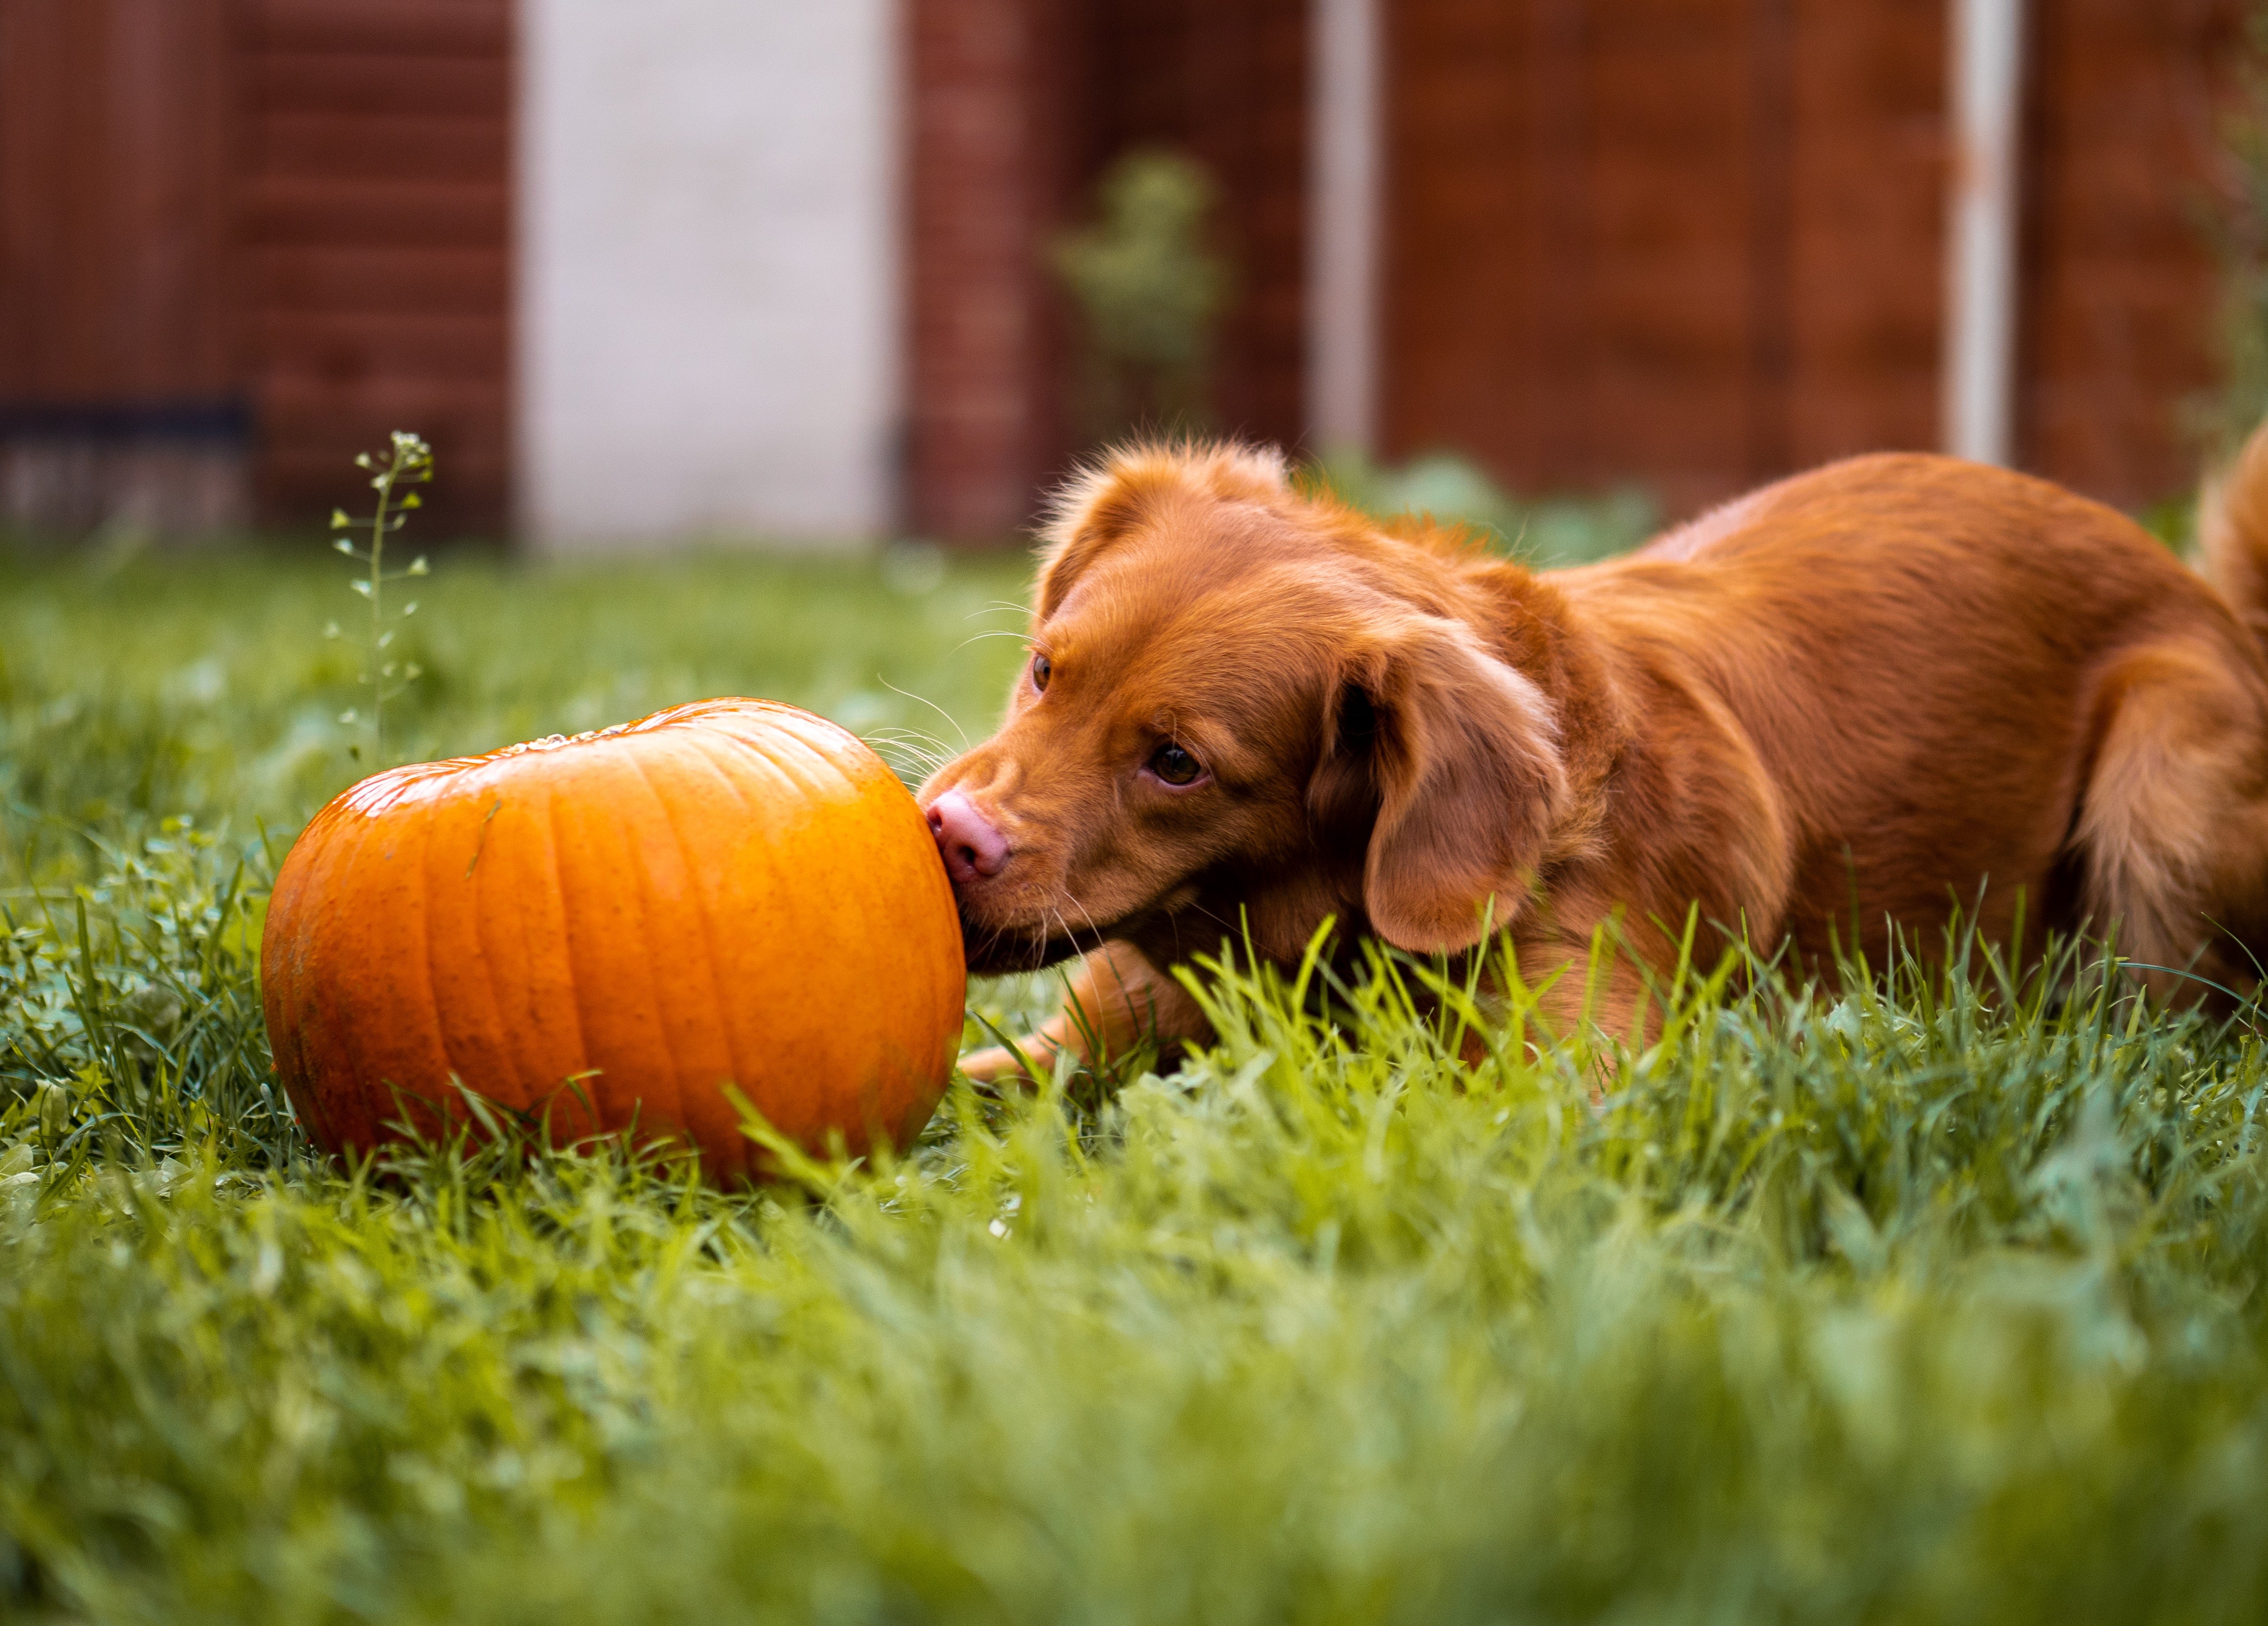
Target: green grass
(1545, 532)
(1923, 1305)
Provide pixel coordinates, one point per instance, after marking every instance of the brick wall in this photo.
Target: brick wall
(1228, 85)
(1016, 107)
(987, 175)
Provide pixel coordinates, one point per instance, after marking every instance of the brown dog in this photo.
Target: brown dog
(1853, 698)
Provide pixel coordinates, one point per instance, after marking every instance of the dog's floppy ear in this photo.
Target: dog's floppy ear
(1104, 501)
(1461, 752)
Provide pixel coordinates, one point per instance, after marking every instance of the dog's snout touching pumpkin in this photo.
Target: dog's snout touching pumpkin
(1812, 718)
(973, 847)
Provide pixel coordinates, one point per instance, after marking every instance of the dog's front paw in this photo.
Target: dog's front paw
(999, 1064)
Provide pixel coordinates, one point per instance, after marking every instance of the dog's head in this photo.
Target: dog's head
(1237, 695)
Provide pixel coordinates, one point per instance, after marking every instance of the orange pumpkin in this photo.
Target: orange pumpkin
(611, 929)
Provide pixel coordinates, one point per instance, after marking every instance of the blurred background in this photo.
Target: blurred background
(702, 270)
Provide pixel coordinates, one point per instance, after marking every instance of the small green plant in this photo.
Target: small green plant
(408, 462)
(1151, 293)
(1545, 532)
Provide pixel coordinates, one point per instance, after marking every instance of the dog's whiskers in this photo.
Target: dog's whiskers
(931, 704)
(930, 752)
(990, 632)
(1071, 898)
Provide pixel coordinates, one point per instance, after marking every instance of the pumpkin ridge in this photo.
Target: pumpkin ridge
(742, 1078)
(756, 815)
(500, 1027)
(641, 919)
(455, 1075)
(288, 998)
(707, 938)
(770, 772)
(582, 1073)
(345, 1035)
(533, 907)
(785, 769)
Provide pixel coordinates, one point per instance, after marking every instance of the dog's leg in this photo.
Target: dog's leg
(1117, 998)
(1579, 990)
(2173, 821)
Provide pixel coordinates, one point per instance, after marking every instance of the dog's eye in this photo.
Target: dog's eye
(1041, 671)
(1174, 765)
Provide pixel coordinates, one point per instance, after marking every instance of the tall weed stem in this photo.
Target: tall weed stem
(408, 462)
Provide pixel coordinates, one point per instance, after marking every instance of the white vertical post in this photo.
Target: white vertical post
(707, 329)
(1979, 373)
(1343, 225)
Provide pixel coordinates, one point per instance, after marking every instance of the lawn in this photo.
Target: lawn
(1941, 1301)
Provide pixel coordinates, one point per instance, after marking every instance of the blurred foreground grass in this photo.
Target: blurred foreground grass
(1919, 1306)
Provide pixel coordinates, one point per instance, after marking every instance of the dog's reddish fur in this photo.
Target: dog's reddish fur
(1867, 695)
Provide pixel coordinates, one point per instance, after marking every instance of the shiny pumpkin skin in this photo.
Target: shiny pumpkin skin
(733, 891)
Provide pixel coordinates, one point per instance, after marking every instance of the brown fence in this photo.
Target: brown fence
(1691, 243)
(1017, 107)
(2120, 287)
(257, 234)
(118, 384)
(1700, 242)
(1696, 243)
(374, 227)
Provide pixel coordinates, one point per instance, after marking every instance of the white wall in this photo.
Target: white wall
(708, 328)
(1343, 247)
(1979, 369)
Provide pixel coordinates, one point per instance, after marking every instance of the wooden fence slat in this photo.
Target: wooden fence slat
(420, 343)
(476, 28)
(113, 149)
(403, 281)
(343, 212)
(379, 147)
(377, 253)
(361, 83)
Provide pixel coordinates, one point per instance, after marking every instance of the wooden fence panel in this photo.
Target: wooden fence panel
(280, 227)
(988, 168)
(376, 231)
(1479, 322)
(1672, 197)
(1866, 278)
(118, 344)
(113, 188)
(1694, 242)
(2120, 286)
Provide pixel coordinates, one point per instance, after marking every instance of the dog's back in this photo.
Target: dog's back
(1962, 681)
